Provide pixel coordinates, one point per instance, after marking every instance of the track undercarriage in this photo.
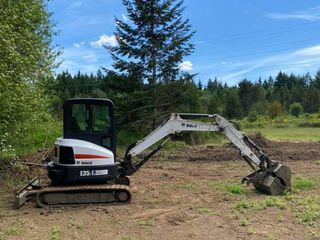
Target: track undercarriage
(59, 196)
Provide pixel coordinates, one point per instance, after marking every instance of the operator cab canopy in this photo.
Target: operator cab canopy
(90, 120)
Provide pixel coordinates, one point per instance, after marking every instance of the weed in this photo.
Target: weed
(270, 237)
(317, 162)
(244, 222)
(235, 189)
(203, 210)
(250, 230)
(2, 204)
(310, 211)
(126, 238)
(75, 224)
(38, 137)
(187, 186)
(274, 202)
(13, 231)
(232, 164)
(301, 183)
(255, 205)
(146, 223)
(191, 186)
(242, 206)
(55, 233)
(227, 186)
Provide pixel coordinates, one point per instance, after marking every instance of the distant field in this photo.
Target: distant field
(288, 134)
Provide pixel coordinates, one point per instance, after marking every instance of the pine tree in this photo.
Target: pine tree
(154, 41)
(316, 81)
(152, 44)
(233, 106)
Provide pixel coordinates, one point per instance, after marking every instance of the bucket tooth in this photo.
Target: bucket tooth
(274, 180)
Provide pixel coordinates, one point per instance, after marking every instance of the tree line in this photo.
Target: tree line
(134, 100)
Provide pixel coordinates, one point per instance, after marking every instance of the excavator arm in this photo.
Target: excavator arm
(269, 176)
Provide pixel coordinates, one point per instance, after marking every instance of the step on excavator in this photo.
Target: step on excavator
(84, 169)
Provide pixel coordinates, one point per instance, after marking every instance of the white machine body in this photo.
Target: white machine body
(85, 153)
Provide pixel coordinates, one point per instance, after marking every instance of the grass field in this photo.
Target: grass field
(288, 134)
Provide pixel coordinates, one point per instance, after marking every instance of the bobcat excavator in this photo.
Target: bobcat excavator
(84, 168)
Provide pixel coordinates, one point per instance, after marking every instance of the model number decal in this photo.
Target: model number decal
(86, 173)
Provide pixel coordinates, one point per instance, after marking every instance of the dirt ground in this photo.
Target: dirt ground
(192, 193)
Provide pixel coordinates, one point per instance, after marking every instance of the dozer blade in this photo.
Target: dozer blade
(274, 180)
(28, 192)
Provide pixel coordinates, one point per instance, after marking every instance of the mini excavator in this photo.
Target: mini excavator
(84, 168)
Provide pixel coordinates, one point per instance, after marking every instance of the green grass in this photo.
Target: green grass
(244, 222)
(75, 224)
(308, 210)
(203, 210)
(274, 201)
(14, 230)
(40, 136)
(227, 187)
(191, 186)
(269, 201)
(288, 134)
(242, 205)
(126, 238)
(235, 188)
(146, 223)
(55, 233)
(301, 183)
(2, 203)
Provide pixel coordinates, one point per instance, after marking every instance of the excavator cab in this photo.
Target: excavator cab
(87, 151)
(91, 120)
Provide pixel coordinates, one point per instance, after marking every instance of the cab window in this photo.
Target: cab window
(79, 121)
(100, 119)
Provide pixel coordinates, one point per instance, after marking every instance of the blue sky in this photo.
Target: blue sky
(234, 39)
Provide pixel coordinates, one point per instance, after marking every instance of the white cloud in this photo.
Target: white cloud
(311, 14)
(84, 59)
(226, 63)
(76, 4)
(186, 66)
(78, 45)
(90, 57)
(299, 61)
(311, 51)
(124, 17)
(73, 67)
(105, 40)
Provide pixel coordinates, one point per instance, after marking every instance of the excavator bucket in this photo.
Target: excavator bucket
(273, 180)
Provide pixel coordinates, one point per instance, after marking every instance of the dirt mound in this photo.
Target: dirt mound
(278, 151)
(259, 140)
(208, 153)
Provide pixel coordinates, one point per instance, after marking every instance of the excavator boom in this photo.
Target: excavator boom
(269, 176)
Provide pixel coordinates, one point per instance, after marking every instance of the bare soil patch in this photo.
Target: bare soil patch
(183, 197)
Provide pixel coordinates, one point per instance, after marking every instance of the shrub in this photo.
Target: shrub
(295, 109)
(275, 109)
(252, 116)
